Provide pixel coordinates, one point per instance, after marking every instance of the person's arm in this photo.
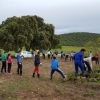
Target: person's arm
(82, 58)
(57, 63)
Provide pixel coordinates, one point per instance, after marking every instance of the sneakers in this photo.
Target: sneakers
(65, 79)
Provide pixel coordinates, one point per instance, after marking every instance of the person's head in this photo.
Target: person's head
(54, 56)
(19, 51)
(5, 52)
(38, 53)
(83, 50)
(8, 54)
(93, 58)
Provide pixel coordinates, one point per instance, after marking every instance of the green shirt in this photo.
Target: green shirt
(4, 57)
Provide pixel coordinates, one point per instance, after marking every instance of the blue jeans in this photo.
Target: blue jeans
(59, 71)
(79, 64)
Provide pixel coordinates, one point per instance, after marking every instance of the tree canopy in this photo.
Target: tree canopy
(27, 31)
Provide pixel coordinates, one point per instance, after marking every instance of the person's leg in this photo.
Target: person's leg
(76, 68)
(8, 67)
(37, 70)
(52, 71)
(81, 67)
(60, 72)
(44, 56)
(85, 66)
(65, 58)
(88, 66)
(97, 60)
(18, 69)
(70, 58)
(21, 69)
(5, 66)
(2, 67)
(34, 72)
(49, 56)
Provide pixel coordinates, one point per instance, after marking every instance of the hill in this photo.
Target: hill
(77, 39)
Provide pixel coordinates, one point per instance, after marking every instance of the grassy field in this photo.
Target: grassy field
(64, 48)
(15, 87)
(69, 49)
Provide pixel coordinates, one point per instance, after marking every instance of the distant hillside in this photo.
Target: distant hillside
(78, 39)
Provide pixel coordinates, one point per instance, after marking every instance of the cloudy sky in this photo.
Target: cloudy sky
(66, 15)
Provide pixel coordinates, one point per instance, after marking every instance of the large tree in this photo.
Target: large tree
(27, 31)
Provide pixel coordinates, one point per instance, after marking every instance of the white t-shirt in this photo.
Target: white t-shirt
(88, 59)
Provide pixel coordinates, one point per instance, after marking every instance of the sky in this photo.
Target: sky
(66, 15)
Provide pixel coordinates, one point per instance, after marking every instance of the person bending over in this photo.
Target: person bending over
(79, 60)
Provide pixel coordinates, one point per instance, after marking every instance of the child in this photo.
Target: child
(54, 67)
(3, 58)
(9, 60)
(36, 63)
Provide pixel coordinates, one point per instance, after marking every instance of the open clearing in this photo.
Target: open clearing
(15, 87)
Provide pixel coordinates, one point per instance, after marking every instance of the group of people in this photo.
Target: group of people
(78, 58)
(6, 58)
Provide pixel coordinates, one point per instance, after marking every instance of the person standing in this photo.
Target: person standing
(36, 63)
(66, 56)
(56, 53)
(49, 53)
(9, 60)
(79, 61)
(71, 55)
(33, 53)
(91, 55)
(3, 58)
(88, 63)
(43, 53)
(19, 62)
(97, 58)
(55, 67)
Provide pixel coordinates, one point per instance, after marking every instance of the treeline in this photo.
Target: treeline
(78, 38)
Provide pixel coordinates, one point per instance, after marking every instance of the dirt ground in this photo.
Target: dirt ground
(15, 87)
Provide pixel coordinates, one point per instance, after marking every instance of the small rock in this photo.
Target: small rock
(93, 79)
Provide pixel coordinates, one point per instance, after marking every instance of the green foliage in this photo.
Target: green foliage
(78, 38)
(59, 46)
(27, 31)
(93, 45)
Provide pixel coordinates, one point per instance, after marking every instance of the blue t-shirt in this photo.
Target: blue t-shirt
(19, 59)
(54, 64)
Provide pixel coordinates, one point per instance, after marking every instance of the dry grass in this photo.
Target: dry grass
(15, 87)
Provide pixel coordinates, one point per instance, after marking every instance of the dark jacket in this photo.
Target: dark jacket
(37, 60)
